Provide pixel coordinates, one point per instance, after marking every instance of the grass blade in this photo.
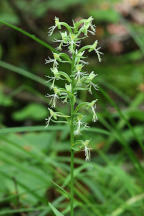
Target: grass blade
(33, 37)
(49, 128)
(23, 73)
(128, 203)
(56, 212)
(31, 128)
(123, 117)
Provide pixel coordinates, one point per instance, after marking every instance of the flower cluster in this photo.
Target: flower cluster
(79, 79)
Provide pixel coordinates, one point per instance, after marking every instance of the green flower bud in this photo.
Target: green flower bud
(57, 23)
(56, 90)
(68, 87)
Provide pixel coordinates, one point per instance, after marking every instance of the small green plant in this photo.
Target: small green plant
(77, 80)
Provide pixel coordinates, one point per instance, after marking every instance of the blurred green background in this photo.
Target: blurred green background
(34, 161)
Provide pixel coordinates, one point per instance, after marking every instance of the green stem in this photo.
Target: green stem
(72, 101)
(72, 173)
(72, 158)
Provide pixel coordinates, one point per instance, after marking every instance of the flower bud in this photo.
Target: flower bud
(57, 23)
(68, 87)
(56, 90)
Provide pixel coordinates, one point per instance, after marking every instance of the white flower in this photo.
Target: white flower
(93, 47)
(49, 60)
(86, 149)
(55, 60)
(55, 72)
(79, 58)
(48, 121)
(92, 85)
(53, 100)
(64, 36)
(88, 27)
(73, 43)
(67, 40)
(52, 28)
(53, 81)
(95, 118)
(79, 73)
(98, 53)
(87, 153)
(91, 76)
(54, 97)
(93, 107)
(64, 41)
(79, 124)
(55, 77)
(54, 115)
(74, 40)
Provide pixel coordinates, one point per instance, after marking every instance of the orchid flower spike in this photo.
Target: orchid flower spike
(70, 51)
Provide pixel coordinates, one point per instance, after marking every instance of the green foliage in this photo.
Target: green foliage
(105, 15)
(7, 13)
(5, 100)
(32, 111)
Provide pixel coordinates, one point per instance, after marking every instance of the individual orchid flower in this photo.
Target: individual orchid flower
(89, 80)
(79, 124)
(56, 76)
(88, 27)
(57, 25)
(55, 72)
(79, 73)
(64, 41)
(66, 93)
(54, 115)
(98, 54)
(54, 60)
(77, 131)
(87, 153)
(86, 149)
(92, 105)
(49, 60)
(51, 79)
(73, 41)
(51, 30)
(93, 47)
(54, 97)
